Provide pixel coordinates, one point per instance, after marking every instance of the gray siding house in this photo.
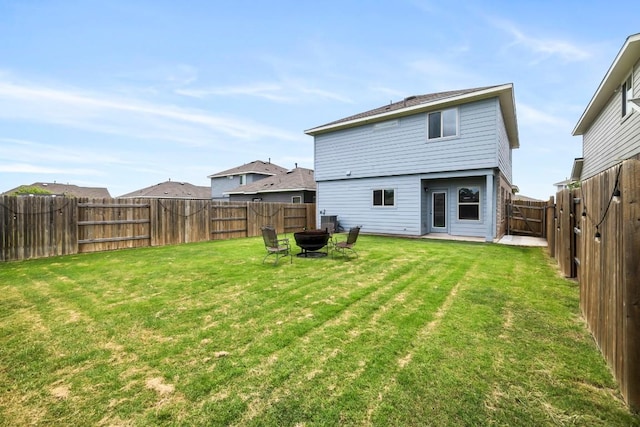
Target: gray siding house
(437, 163)
(294, 186)
(610, 125)
(229, 179)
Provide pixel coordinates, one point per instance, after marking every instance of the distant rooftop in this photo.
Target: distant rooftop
(68, 190)
(172, 190)
(298, 179)
(258, 167)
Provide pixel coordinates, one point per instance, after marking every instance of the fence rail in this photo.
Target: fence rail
(43, 226)
(597, 240)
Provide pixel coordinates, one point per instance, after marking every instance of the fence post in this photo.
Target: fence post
(630, 199)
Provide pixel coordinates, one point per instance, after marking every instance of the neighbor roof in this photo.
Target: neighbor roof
(172, 190)
(257, 167)
(298, 179)
(622, 64)
(421, 103)
(67, 190)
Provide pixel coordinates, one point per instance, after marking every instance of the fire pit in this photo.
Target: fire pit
(311, 241)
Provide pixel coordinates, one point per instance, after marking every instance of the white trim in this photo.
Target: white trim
(432, 227)
(383, 206)
(479, 203)
(443, 138)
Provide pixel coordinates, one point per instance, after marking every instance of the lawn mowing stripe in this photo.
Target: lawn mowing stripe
(336, 350)
(355, 373)
(337, 321)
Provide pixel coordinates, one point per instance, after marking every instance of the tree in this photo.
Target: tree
(25, 190)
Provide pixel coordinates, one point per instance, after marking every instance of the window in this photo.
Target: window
(442, 124)
(243, 179)
(469, 203)
(296, 199)
(627, 94)
(384, 197)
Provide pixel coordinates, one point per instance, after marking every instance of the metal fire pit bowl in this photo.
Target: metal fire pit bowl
(311, 241)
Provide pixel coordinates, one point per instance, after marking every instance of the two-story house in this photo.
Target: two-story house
(229, 179)
(437, 163)
(610, 125)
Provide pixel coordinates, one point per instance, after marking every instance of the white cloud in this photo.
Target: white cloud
(288, 91)
(103, 112)
(261, 90)
(542, 48)
(530, 116)
(12, 148)
(29, 168)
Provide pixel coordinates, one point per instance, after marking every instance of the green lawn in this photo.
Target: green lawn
(413, 332)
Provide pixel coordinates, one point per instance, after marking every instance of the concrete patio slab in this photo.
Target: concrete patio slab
(522, 241)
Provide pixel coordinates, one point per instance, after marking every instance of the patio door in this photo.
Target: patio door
(439, 212)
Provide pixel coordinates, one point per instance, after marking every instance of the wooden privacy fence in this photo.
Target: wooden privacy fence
(527, 218)
(597, 240)
(43, 226)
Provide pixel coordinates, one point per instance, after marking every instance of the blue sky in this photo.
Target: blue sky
(125, 94)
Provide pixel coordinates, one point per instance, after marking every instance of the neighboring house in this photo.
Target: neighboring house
(610, 125)
(249, 173)
(171, 190)
(56, 189)
(437, 163)
(294, 186)
(561, 185)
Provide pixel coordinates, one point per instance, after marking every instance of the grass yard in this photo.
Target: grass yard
(414, 332)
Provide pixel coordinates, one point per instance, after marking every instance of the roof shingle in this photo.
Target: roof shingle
(172, 190)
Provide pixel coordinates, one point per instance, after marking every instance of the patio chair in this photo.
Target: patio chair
(275, 246)
(331, 229)
(348, 244)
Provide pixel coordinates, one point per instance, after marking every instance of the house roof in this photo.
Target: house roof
(622, 64)
(172, 190)
(67, 190)
(421, 103)
(298, 179)
(256, 167)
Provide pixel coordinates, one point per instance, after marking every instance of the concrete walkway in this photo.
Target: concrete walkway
(522, 241)
(505, 240)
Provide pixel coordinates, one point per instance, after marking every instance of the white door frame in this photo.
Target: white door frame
(439, 218)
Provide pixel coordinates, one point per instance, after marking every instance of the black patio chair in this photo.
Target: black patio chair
(275, 246)
(347, 245)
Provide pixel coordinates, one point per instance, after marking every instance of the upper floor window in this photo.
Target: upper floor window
(627, 95)
(442, 124)
(384, 197)
(469, 203)
(243, 179)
